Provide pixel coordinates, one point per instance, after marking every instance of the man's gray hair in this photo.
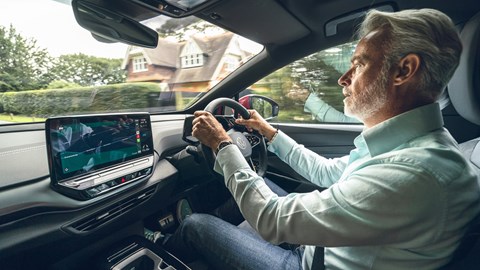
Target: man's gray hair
(428, 33)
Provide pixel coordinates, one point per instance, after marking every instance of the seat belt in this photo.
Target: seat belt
(318, 262)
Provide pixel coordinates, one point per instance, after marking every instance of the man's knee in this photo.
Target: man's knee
(196, 219)
(194, 224)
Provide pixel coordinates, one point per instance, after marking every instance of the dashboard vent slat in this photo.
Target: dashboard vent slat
(102, 217)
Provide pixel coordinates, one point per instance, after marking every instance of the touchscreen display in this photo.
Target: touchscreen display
(81, 145)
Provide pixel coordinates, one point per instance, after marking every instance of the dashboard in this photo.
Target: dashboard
(49, 218)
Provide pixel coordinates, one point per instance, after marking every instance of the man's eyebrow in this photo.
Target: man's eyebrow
(360, 58)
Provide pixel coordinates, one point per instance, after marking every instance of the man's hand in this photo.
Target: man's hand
(256, 122)
(298, 94)
(208, 130)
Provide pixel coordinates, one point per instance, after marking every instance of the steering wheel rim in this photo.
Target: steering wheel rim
(243, 140)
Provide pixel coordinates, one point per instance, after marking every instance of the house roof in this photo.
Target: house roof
(213, 48)
(165, 54)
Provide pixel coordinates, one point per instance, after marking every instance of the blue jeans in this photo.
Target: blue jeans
(225, 246)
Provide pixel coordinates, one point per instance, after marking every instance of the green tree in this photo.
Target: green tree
(171, 27)
(181, 28)
(314, 74)
(23, 65)
(88, 70)
(60, 84)
(278, 84)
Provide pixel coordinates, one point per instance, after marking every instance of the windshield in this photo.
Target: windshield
(50, 66)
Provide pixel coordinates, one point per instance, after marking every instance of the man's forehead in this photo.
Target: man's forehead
(369, 46)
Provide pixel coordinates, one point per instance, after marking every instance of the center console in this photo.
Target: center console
(139, 254)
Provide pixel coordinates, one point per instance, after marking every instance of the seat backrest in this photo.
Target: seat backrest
(467, 256)
(464, 92)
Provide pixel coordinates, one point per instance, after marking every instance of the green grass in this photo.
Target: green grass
(20, 118)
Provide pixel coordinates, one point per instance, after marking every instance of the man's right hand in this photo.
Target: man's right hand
(298, 94)
(256, 122)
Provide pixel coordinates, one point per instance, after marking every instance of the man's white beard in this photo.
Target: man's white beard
(369, 101)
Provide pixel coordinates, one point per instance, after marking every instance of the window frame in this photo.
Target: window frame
(139, 64)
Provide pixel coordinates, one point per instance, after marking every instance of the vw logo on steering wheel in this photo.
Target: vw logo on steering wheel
(241, 143)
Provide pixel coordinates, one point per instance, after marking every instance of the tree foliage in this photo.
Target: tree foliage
(23, 65)
(60, 84)
(312, 72)
(86, 70)
(180, 29)
(26, 66)
(172, 26)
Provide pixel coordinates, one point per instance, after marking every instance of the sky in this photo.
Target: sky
(65, 35)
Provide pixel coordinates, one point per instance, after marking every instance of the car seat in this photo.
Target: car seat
(464, 92)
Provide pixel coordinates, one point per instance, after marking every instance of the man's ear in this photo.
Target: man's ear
(407, 69)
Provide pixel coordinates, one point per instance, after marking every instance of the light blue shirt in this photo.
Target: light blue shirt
(402, 199)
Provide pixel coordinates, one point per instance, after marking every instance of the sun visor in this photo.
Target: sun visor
(265, 22)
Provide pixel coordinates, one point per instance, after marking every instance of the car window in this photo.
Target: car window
(50, 66)
(307, 89)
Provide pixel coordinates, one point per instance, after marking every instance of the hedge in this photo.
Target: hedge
(1, 103)
(108, 98)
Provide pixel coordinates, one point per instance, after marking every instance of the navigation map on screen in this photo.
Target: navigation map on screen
(79, 145)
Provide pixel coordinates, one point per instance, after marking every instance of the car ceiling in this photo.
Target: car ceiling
(283, 23)
(277, 23)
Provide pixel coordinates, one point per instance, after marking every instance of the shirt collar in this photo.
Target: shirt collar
(400, 129)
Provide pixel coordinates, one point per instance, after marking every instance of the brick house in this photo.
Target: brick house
(191, 66)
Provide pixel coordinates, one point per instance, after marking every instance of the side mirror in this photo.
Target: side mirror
(107, 25)
(267, 108)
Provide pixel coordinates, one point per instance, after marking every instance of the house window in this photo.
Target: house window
(192, 60)
(139, 64)
(231, 63)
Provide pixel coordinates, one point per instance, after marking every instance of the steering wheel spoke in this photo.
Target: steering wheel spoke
(253, 139)
(245, 141)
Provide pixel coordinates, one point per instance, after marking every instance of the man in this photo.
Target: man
(401, 200)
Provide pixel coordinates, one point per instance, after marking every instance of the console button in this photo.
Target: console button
(92, 192)
(111, 183)
(102, 187)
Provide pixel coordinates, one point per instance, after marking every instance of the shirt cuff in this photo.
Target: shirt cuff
(229, 160)
(282, 145)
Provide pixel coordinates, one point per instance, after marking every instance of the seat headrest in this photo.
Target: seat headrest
(471, 152)
(464, 87)
(475, 158)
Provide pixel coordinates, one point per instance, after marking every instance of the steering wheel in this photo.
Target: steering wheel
(247, 142)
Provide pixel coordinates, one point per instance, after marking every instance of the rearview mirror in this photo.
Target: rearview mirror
(265, 106)
(109, 26)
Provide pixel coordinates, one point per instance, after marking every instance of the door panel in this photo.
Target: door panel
(327, 140)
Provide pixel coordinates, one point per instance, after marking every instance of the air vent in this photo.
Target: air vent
(100, 218)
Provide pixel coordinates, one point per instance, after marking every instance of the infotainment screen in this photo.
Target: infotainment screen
(82, 145)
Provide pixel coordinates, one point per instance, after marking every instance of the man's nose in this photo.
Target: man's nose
(345, 80)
